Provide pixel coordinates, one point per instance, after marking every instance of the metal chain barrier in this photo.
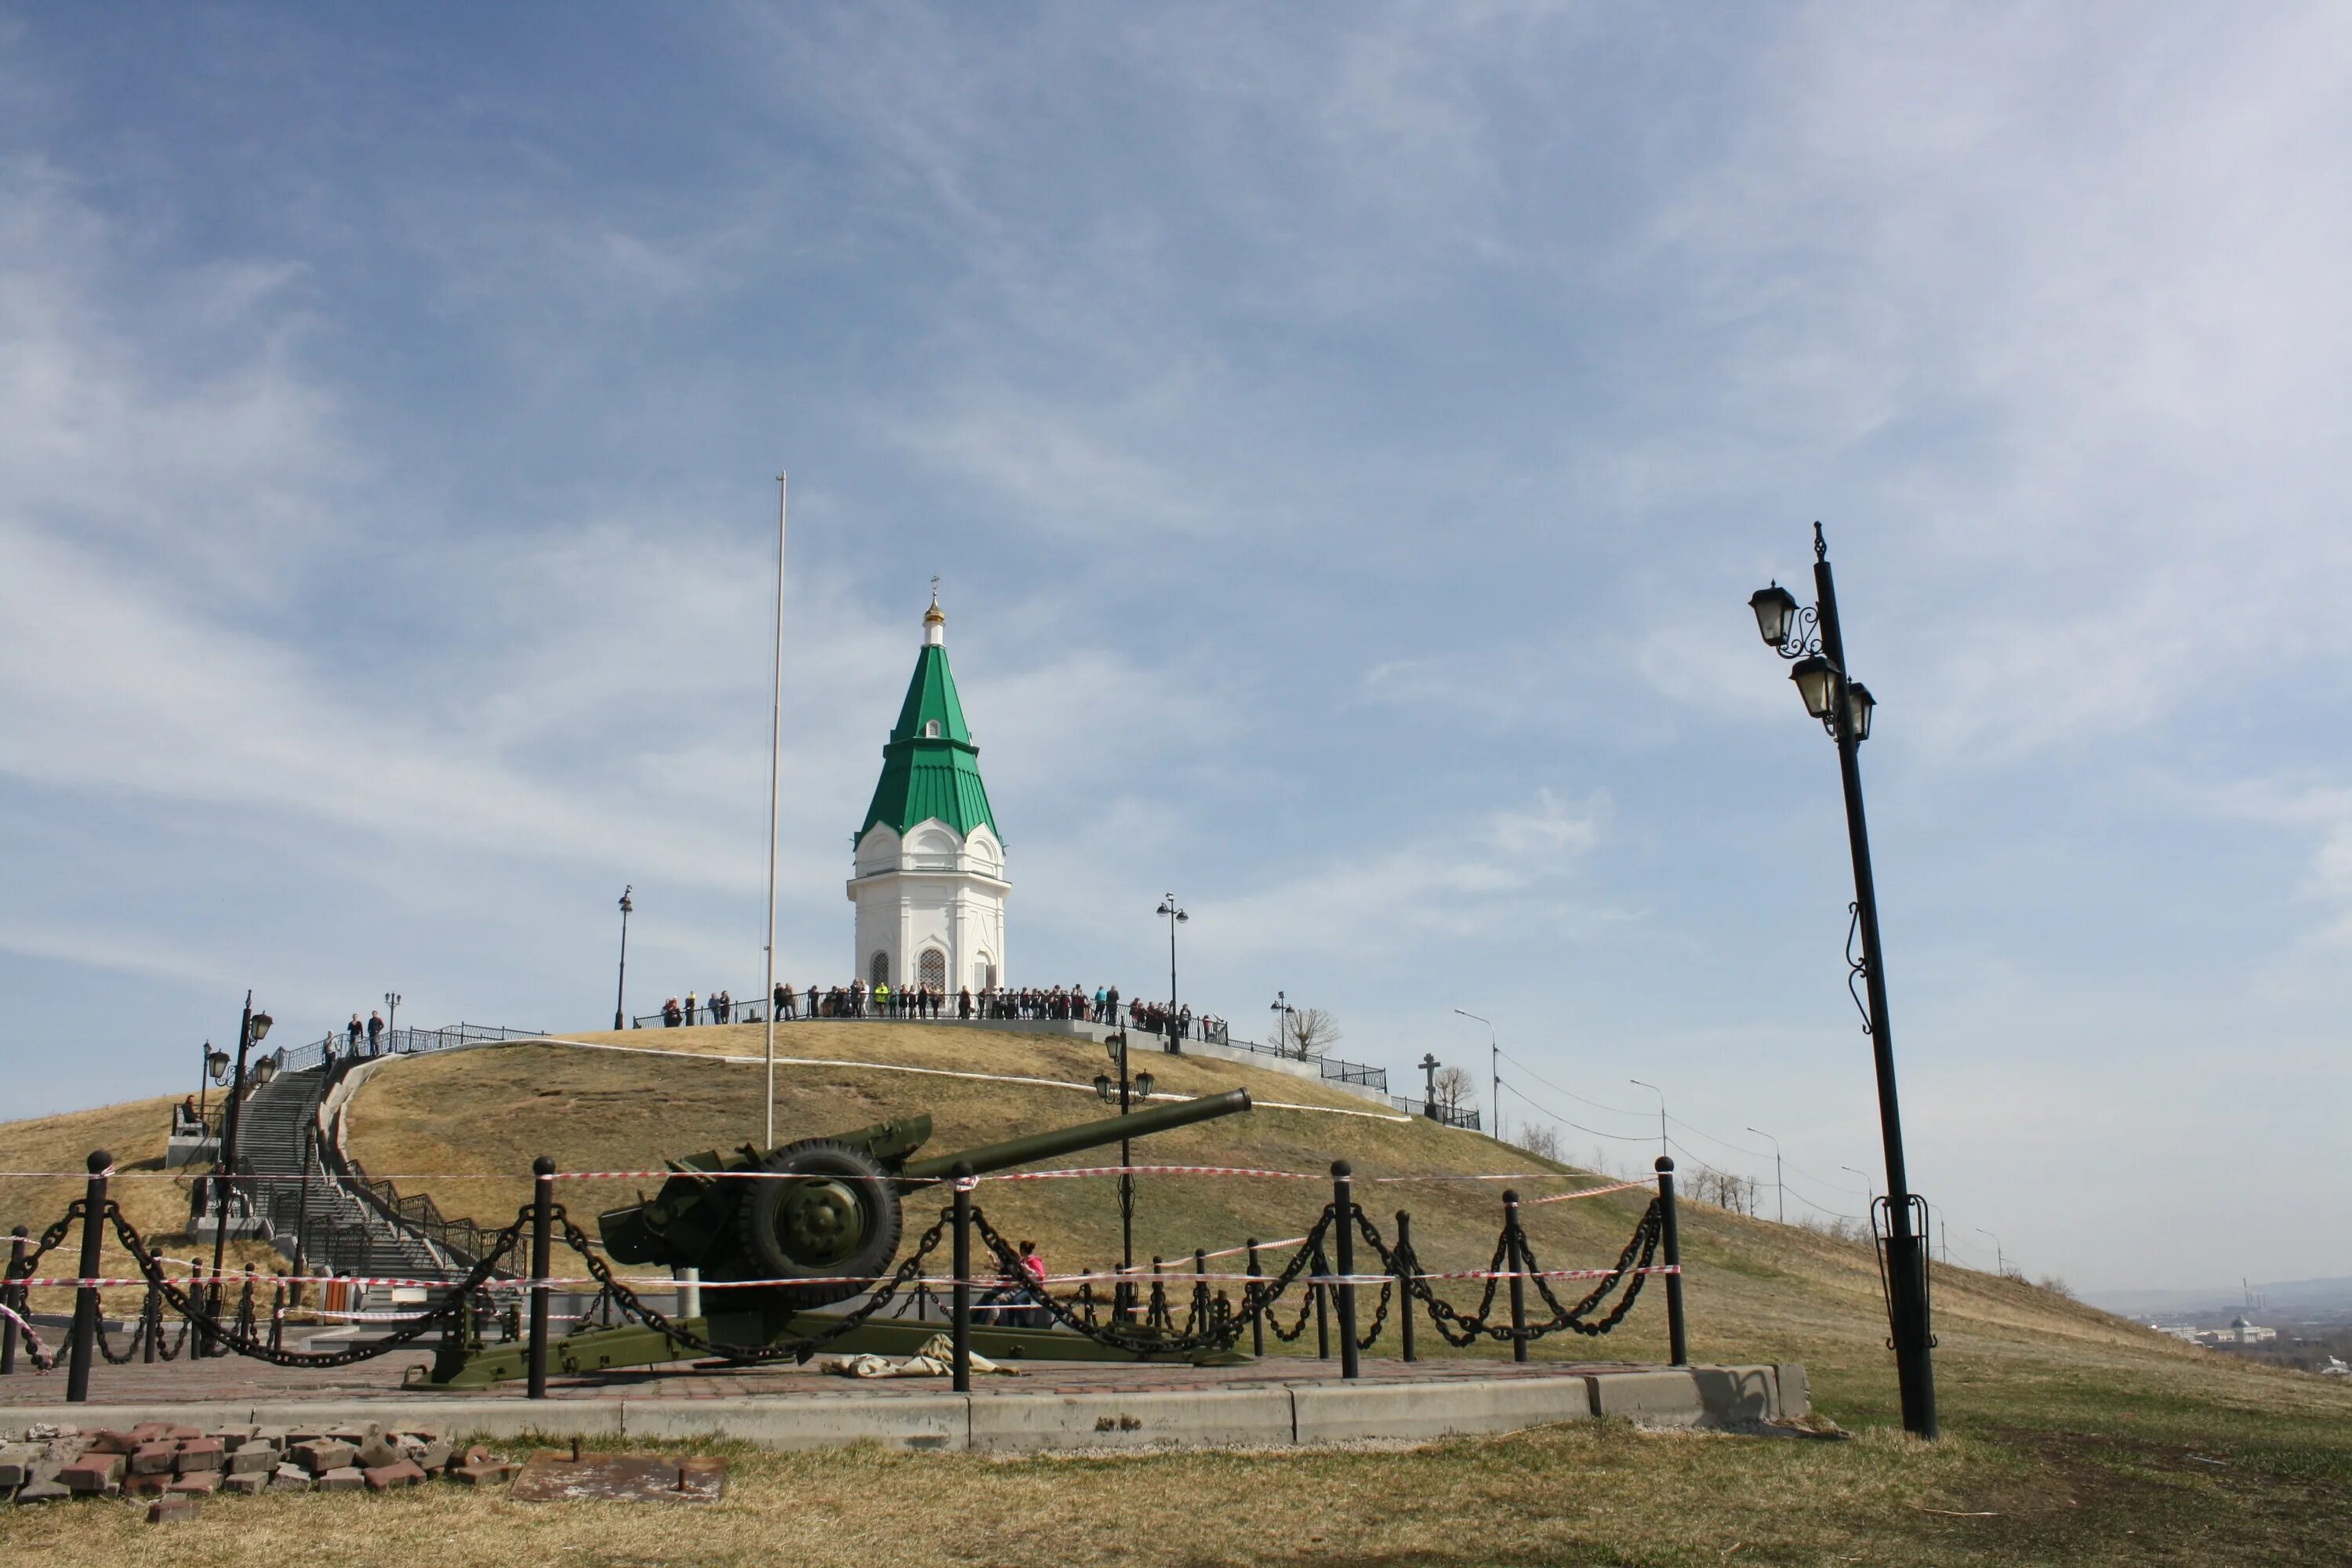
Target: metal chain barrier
(1462, 1329)
(1306, 1314)
(1380, 1317)
(1635, 1261)
(1219, 1336)
(239, 1336)
(909, 1269)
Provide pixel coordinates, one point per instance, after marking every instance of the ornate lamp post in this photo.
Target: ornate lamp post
(216, 1070)
(1282, 1013)
(621, 986)
(1176, 917)
(1812, 640)
(1123, 1093)
(251, 1030)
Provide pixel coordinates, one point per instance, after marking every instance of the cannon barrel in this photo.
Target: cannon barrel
(1063, 1140)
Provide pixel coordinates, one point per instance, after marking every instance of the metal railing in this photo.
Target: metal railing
(1444, 1115)
(395, 1043)
(838, 1006)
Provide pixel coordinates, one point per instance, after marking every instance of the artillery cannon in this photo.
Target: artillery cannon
(821, 1210)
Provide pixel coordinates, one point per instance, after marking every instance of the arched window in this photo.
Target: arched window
(931, 969)
(931, 729)
(879, 971)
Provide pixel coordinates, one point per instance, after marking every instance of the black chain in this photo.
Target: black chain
(799, 1348)
(1380, 1317)
(239, 1337)
(1462, 1329)
(1635, 1259)
(1305, 1311)
(1219, 1336)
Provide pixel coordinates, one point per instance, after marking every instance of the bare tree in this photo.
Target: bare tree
(1541, 1139)
(1309, 1032)
(1455, 1088)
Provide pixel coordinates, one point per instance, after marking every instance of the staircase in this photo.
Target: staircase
(325, 1220)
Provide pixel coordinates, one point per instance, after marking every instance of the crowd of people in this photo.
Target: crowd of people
(884, 1000)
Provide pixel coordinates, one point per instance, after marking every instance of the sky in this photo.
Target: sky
(1347, 437)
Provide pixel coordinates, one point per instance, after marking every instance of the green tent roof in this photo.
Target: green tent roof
(927, 774)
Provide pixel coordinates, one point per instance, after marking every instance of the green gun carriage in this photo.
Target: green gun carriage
(823, 1210)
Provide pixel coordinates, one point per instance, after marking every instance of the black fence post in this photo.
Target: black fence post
(1405, 1304)
(150, 1323)
(85, 1305)
(10, 1293)
(1343, 1220)
(1669, 1241)
(1200, 1290)
(961, 1365)
(1516, 1263)
(277, 1317)
(543, 1248)
(1322, 1267)
(1257, 1319)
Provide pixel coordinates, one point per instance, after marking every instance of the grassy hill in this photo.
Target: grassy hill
(2071, 1436)
(134, 1133)
(1757, 1291)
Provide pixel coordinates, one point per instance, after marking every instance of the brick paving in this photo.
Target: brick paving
(236, 1377)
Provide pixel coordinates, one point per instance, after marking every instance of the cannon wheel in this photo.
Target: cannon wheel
(841, 1219)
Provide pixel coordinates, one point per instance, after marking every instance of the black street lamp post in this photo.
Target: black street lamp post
(1283, 1012)
(250, 1031)
(1176, 917)
(1124, 1092)
(621, 985)
(1812, 639)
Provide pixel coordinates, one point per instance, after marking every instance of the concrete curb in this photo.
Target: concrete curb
(1012, 1420)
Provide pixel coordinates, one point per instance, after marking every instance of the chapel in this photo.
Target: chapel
(927, 865)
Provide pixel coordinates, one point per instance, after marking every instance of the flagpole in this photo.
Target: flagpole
(775, 769)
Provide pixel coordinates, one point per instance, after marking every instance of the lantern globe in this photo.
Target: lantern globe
(1105, 1091)
(1776, 610)
(1143, 1084)
(261, 1022)
(1858, 705)
(1812, 678)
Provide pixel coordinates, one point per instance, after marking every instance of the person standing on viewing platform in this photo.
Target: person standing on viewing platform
(351, 1035)
(376, 1032)
(881, 998)
(785, 1005)
(692, 1006)
(723, 1007)
(672, 1016)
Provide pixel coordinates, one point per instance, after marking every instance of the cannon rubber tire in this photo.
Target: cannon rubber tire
(763, 1250)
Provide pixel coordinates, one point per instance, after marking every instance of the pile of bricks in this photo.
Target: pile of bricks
(175, 1465)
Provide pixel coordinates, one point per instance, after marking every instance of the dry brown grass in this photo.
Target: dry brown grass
(1757, 1291)
(134, 1133)
(1593, 1493)
(2080, 1437)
